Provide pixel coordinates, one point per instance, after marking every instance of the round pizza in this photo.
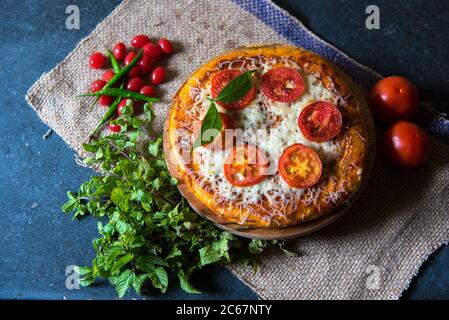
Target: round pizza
(266, 136)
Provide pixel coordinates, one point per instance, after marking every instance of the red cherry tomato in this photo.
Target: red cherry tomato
(158, 75)
(300, 166)
(134, 72)
(165, 45)
(320, 121)
(152, 51)
(221, 79)
(245, 166)
(114, 127)
(221, 141)
(97, 60)
(406, 145)
(145, 65)
(139, 41)
(130, 57)
(135, 84)
(97, 85)
(106, 101)
(119, 51)
(122, 105)
(148, 91)
(282, 84)
(108, 75)
(393, 99)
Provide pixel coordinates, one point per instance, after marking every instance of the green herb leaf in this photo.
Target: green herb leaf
(185, 284)
(237, 88)
(210, 127)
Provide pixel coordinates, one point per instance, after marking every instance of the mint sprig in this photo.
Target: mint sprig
(147, 231)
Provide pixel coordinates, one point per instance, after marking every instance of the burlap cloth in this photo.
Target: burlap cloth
(372, 252)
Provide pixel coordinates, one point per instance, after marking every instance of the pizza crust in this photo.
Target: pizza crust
(317, 201)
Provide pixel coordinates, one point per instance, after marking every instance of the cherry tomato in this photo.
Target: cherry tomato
(145, 64)
(119, 51)
(300, 166)
(108, 75)
(282, 84)
(135, 84)
(165, 45)
(114, 127)
(148, 91)
(139, 41)
(221, 141)
(320, 121)
(97, 85)
(393, 99)
(130, 57)
(123, 104)
(134, 72)
(106, 101)
(221, 79)
(152, 51)
(97, 60)
(245, 166)
(158, 75)
(406, 145)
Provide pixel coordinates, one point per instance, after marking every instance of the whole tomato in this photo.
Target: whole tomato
(406, 145)
(394, 99)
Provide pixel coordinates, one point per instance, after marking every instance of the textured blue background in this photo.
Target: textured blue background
(37, 241)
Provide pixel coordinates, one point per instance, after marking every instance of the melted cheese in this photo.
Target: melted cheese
(271, 126)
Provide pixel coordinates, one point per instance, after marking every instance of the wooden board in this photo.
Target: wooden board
(284, 233)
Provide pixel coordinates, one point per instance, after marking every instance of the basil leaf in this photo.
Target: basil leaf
(237, 88)
(210, 127)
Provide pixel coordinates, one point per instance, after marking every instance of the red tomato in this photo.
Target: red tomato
(300, 166)
(282, 84)
(119, 51)
(320, 121)
(221, 141)
(135, 84)
(245, 166)
(106, 101)
(97, 60)
(145, 65)
(134, 72)
(158, 75)
(406, 145)
(221, 79)
(152, 51)
(139, 41)
(114, 127)
(148, 91)
(130, 57)
(393, 99)
(122, 105)
(165, 45)
(97, 85)
(108, 75)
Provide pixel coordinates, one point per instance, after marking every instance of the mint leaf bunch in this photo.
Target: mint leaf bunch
(150, 231)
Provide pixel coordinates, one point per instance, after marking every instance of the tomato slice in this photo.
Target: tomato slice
(320, 121)
(282, 84)
(245, 166)
(300, 166)
(221, 79)
(220, 141)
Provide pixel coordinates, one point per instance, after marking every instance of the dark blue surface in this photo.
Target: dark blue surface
(37, 241)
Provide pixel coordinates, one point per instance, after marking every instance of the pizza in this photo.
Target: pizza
(293, 148)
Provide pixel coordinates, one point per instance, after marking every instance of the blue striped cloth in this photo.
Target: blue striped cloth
(293, 30)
